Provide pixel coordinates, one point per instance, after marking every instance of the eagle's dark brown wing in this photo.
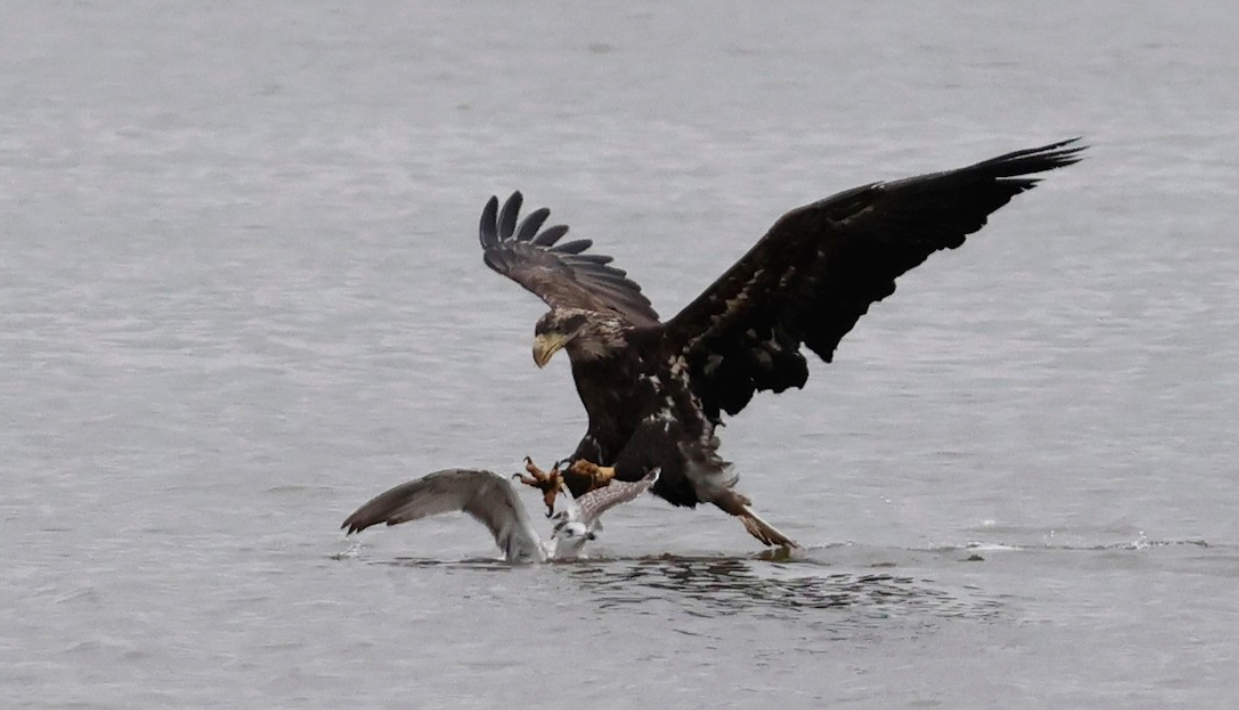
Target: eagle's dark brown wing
(560, 273)
(818, 269)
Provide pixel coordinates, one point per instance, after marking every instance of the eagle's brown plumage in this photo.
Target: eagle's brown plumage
(655, 391)
(558, 272)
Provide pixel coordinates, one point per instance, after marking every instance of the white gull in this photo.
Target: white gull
(491, 499)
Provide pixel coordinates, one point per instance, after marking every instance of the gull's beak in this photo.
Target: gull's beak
(546, 345)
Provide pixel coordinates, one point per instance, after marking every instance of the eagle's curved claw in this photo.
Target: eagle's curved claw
(550, 483)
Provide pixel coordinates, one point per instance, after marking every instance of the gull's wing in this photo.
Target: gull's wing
(592, 505)
(486, 496)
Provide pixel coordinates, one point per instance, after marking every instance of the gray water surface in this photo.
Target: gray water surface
(242, 294)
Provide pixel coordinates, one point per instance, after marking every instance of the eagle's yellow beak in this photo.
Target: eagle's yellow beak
(546, 345)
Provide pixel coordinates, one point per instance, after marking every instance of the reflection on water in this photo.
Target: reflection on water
(726, 586)
(849, 589)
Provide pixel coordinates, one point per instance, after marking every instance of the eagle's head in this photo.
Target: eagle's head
(586, 334)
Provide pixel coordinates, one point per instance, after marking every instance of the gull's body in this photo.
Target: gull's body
(491, 500)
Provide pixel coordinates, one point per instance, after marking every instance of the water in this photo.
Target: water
(242, 295)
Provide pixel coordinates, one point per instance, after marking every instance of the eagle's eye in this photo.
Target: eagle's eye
(572, 324)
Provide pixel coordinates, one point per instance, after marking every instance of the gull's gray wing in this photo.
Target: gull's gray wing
(486, 496)
(592, 505)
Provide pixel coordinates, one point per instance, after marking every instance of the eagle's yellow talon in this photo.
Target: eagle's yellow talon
(597, 476)
(549, 483)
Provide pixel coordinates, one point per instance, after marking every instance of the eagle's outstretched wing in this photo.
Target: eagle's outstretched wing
(486, 496)
(819, 268)
(561, 274)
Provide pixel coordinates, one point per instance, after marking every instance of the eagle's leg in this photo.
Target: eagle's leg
(590, 474)
(549, 483)
(765, 532)
(738, 505)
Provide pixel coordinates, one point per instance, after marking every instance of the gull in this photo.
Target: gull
(491, 499)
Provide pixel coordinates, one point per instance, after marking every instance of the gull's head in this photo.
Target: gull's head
(575, 530)
(570, 536)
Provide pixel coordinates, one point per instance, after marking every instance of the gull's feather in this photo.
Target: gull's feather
(598, 501)
(486, 496)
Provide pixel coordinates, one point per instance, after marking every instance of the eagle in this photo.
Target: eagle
(656, 391)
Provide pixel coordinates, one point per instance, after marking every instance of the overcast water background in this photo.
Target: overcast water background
(241, 294)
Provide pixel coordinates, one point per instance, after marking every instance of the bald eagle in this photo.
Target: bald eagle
(655, 391)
